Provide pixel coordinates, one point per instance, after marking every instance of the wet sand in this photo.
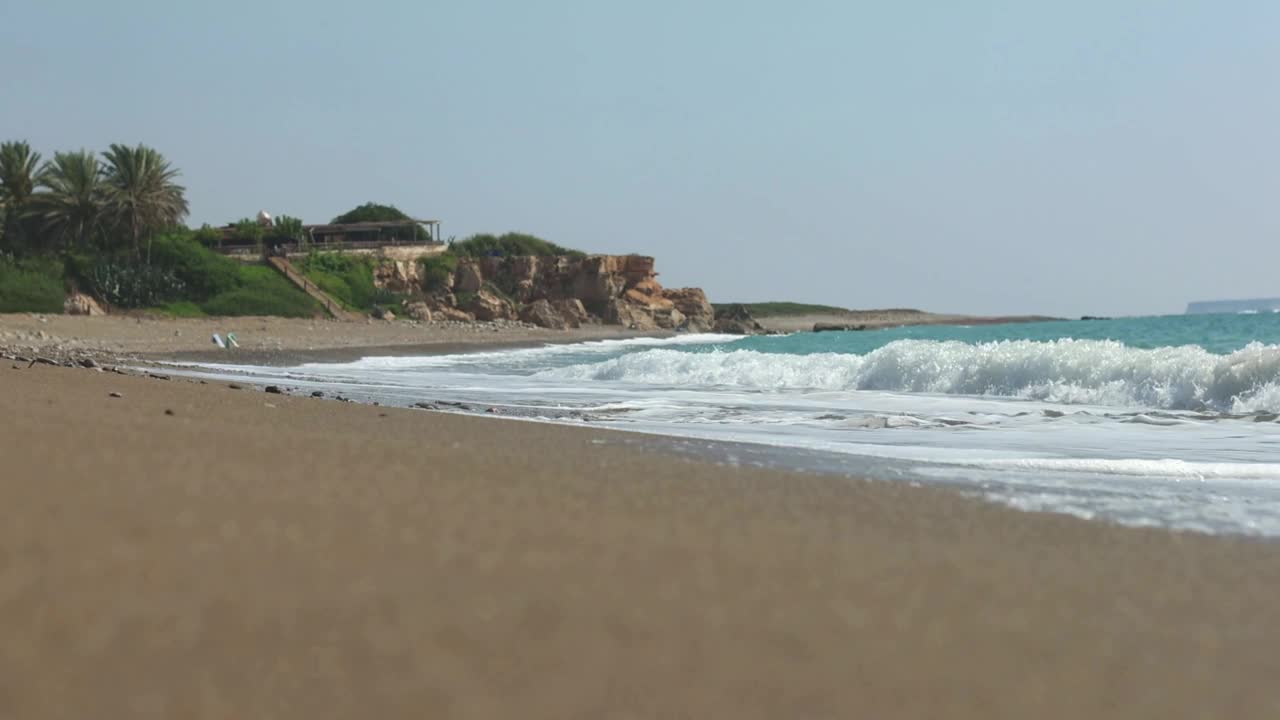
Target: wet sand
(257, 555)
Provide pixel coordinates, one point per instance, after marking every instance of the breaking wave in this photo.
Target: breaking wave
(1094, 372)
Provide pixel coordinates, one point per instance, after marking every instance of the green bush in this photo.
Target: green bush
(373, 212)
(508, 245)
(262, 291)
(131, 285)
(348, 278)
(203, 272)
(31, 286)
(182, 309)
(436, 270)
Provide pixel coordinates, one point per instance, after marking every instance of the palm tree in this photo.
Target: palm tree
(17, 182)
(142, 196)
(69, 210)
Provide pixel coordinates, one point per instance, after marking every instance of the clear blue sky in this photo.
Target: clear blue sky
(992, 157)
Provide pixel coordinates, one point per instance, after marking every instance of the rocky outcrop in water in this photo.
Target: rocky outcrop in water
(736, 320)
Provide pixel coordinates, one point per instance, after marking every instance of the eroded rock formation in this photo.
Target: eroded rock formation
(564, 292)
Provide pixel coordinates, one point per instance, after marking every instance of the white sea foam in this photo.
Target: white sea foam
(1091, 372)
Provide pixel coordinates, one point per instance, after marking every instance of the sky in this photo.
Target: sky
(1093, 157)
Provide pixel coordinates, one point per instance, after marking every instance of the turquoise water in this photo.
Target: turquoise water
(1167, 421)
(1219, 334)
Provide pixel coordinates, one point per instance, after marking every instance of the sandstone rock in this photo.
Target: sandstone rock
(396, 276)
(543, 314)
(648, 286)
(653, 302)
(452, 314)
(487, 306)
(419, 311)
(692, 302)
(736, 320)
(630, 315)
(81, 304)
(468, 278)
(572, 311)
(668, 318)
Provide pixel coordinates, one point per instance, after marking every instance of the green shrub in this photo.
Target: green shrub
(203, 272)
(348, 278)
(182, 309)
(508, 245)
(373, 212)
(132, 285)
(262, 291)
(437, 269)
(207, 235)
(31, 286)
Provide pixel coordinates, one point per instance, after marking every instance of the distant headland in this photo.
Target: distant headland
(1208, 307)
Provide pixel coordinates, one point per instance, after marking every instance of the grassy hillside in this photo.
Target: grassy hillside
(184, 279)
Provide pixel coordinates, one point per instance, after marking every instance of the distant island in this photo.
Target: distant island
(1209, 307)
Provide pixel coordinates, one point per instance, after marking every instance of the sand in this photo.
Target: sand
(254, 555)
(268, 339)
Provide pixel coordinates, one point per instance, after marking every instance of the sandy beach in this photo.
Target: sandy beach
(188, 550)
(269, 340)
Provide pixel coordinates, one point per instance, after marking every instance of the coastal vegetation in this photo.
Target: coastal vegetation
(374, 212)
(436, 269)
(785, 309)
(509, 245)
(110, 224)
(347, 278)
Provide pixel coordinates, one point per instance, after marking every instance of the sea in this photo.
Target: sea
(1149, 421)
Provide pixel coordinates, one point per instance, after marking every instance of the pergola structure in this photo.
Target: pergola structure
(337, 236)
(389, 232)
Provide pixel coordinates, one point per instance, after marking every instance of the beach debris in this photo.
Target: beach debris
(88, 363)
(317, 394)
(273, 389)
(157, 376)
(234, 386)
(217, 340)
(1265, 417)
(382, 414)
(426, 406)
(492, 410)
(114, 394)
(231, 340)
(167, 411)
(1053, 413)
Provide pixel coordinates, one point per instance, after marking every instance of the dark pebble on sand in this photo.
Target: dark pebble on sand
(88, 362)
(157, 376)
(115, 395)
(168, 412)
(233, 386)
(273, 389)
(317, 393)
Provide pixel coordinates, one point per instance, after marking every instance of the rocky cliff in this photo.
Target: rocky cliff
(560, 291)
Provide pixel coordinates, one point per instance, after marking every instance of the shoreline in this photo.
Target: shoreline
(339, 559)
